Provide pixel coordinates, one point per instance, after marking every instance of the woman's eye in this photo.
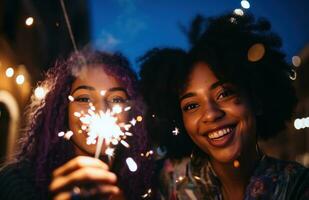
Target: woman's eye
(118, 100)
(83, 99)
(190, 107)
(225, 93)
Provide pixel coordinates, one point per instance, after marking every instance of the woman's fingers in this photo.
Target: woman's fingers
(82, 176)
(79, 162)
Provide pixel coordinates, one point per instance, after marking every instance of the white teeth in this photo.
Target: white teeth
(219, 133)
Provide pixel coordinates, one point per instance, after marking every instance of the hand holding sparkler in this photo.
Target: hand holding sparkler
(80, 171)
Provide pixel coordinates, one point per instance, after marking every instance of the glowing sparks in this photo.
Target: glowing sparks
(102, 92)
(117, 109)
(147, 194)
(133, 122)
(127, 108)
(175, 131)
(68, 135)
(109, 151)
(131, 164)
(71, 98)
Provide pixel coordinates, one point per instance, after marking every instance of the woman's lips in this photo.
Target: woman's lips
(221, 137)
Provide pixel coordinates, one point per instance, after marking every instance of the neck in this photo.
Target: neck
(233, 178)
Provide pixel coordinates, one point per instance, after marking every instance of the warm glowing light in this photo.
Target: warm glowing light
(245, 4)
(238, 12)
(256, 52)
(29, 21)
(20, 79)
(139, 118)
(296, 61)
(131, 164)
(236, 163)
(39, 92)
(9, 72)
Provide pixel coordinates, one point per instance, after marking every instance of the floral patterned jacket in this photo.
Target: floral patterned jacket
(272, 179)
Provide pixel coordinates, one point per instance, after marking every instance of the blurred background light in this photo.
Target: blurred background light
(20, 79)
(9, 72)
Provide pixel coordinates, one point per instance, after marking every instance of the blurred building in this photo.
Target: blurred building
(32, 35)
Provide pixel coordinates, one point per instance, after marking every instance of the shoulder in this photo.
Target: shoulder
(290, 177)
(17, 182)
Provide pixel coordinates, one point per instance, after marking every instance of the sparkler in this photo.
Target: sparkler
(104, 128)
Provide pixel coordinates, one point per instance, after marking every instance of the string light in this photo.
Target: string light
(20, 79)
(9, 72)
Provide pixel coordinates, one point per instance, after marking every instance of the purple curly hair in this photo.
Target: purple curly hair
(40, 144)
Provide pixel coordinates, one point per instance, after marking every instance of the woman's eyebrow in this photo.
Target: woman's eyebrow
(187, 95)
(86, 87)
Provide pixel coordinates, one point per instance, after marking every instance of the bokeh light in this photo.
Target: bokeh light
(238, 12)
(39, 93)
(296, 60)
(29, 21)
(245, 4)
(20, 79)
(9, 72)
(256, 52)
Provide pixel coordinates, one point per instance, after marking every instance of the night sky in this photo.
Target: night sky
(156, 23)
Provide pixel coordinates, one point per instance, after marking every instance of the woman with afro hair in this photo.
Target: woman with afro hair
(230, 90)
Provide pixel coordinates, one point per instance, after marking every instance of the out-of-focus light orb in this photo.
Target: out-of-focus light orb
(20, 79)
(301, 123)
(256, 52)
(236, 164)
(297, 124)
(131, 164)
(245, 4)
(29, 21)
(139, 118)
(40, 93)
(238, 12)
(9, 72)
(296, 60)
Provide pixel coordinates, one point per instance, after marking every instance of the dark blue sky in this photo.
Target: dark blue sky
(156, 23)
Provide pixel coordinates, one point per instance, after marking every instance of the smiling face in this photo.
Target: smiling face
(94, 86)
(218, 118)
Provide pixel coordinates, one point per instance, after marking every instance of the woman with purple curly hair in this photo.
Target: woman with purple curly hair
(48, 166)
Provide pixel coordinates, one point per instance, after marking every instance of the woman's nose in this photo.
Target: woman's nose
(212, 112)
(101, 106)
